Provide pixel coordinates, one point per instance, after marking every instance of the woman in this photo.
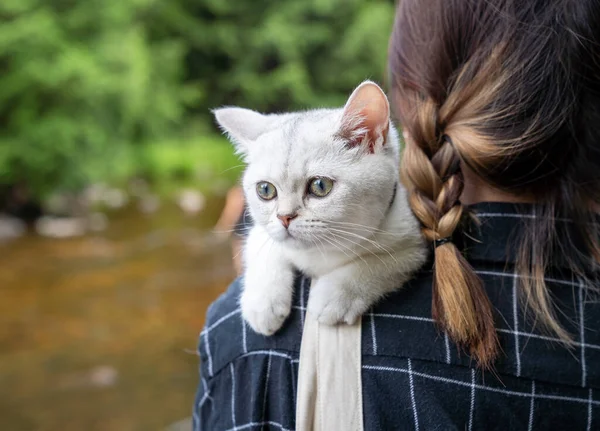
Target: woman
(501, 102)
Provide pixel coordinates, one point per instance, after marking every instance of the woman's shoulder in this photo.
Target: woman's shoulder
(401, 326)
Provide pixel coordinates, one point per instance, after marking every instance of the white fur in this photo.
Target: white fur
(354, 246)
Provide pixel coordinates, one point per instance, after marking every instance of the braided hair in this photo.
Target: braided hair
(509, 90)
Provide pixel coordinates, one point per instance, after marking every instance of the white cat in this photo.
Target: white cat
(323, 189)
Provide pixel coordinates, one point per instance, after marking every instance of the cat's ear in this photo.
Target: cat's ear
(241, 125)
(366, 117)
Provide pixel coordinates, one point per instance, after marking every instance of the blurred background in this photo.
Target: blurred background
(113, 177)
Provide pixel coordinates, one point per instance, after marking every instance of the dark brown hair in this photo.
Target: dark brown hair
(511, 89)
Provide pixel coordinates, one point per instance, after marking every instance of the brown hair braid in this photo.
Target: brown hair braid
(431, 170)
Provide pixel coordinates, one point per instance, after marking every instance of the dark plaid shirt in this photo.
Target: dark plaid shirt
(413, 377)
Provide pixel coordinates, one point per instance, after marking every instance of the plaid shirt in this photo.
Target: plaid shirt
(413, 376)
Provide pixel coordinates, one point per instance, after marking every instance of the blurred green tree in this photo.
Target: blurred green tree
(81, 82)
(86, 85)
(280, 55)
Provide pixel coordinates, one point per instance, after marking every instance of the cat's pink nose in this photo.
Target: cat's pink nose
(286, 219)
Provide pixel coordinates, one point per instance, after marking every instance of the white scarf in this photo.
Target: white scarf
(329, 394)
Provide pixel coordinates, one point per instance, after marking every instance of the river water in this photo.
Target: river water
(99, 332)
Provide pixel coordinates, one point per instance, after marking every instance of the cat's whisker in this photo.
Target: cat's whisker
(219, 231)
(365, 227)
(367, 231)
(321, 242)
(245, 214)
(267, 240)
(233, 167)
(313, 239)
(362, 246)
(337, 247)
(340, 246)
(344, 246)
(374, 243)
(238, 253)
(371, 252)
(243, 248)
(360, 237)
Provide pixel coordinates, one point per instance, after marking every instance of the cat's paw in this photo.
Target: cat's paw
(332, 304)
(266, 313)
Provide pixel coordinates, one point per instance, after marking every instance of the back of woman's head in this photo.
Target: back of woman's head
(510, 90)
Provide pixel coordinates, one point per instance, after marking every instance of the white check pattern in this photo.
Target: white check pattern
(590, 402)
(252, 385)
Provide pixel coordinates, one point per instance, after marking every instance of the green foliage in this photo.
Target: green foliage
(82, 81)
(208, 160)
(108, 89)
(274, 55)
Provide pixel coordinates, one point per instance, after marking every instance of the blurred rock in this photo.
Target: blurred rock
(103, 376)
(67, 227)
(100, 194)
(149, 203)
(66, 204)
(94, 194)
(97, 222)
(115, 198)
(191, 201)
(11, 227)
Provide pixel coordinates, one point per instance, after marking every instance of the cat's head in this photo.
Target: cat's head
(318, 178)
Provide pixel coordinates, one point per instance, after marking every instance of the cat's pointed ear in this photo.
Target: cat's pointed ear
(366, 117)
(241, 125)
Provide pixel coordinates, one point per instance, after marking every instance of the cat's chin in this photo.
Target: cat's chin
(288, 239)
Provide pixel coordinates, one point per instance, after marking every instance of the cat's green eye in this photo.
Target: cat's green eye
(266, 191)
(320, 186)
